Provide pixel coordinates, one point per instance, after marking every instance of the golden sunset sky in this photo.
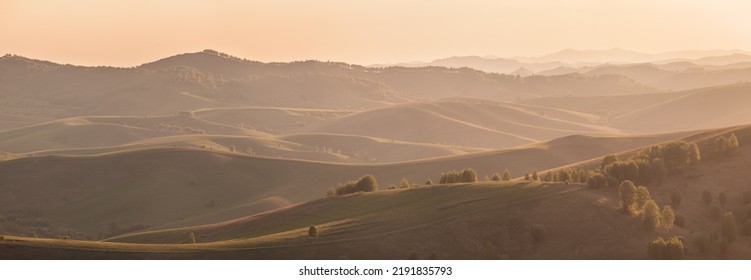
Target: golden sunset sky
(128, 33)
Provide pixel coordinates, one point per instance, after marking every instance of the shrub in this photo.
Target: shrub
(597, 181)
(642, 196)
(365, 183)
(674, 249)
(313, 231)
(535, 176)
(496, 177)
(668, 217)
(694, 156)
(733, 144)
(721, 145)
(608, 160)
(538, 232)
(526, 177)
(729, 230)
(428, 182)
(469, 175)
(652, 215)
(506, 175)
(676, 155)
(655, 249)
(715, 213)
(706, 196)
(404, 184)
(392, 187)
(627, 192)
(680, 220)
(451, 177)
(675, 199)
(722, 199)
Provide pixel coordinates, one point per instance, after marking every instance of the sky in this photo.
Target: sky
(132, 32)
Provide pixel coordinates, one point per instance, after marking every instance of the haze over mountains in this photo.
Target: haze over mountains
(206, 143)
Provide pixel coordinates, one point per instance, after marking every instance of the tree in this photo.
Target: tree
(365, 183)
(729, 229)
(675, 199)
(674, 249)
(706, 196)
(428, 182)
(721, 145)
(668, 217)
(526, 177)
(627, 191)
(642, 196)
(313, 231)
(655, 249)
(607, 160)
(676, 155)
(496, 177)
(506, 175)
(733, 144)
(535, 176)
(694, 155)
(651, 215)
(469, 175)
(404, 184)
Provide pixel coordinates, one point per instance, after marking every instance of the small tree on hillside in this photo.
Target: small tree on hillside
(535, 176)
(313, 231)
(668, 217)
(496, 177)
(733, 144)
(469, 175)
(694, 155)
(428, 182)
(628, 195)
(729, 229)
(652, 215)
(642, 196)
(506, 175)
(607, 160)
(655, 249)
(721, 145)
(526, 177)
(404, 184)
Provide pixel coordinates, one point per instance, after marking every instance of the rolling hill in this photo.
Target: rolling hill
(176, 186)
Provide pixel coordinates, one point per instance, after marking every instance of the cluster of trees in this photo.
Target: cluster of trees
(671, 249)
(468, 175)
(365, 183)
(636, 200)
(726, 146)
(650, 165)
(505, 177)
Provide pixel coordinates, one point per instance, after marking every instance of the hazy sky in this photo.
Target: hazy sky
(130, 32)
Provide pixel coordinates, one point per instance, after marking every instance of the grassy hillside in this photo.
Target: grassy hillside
(463, 122)
(173, 186)
(660, 112)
